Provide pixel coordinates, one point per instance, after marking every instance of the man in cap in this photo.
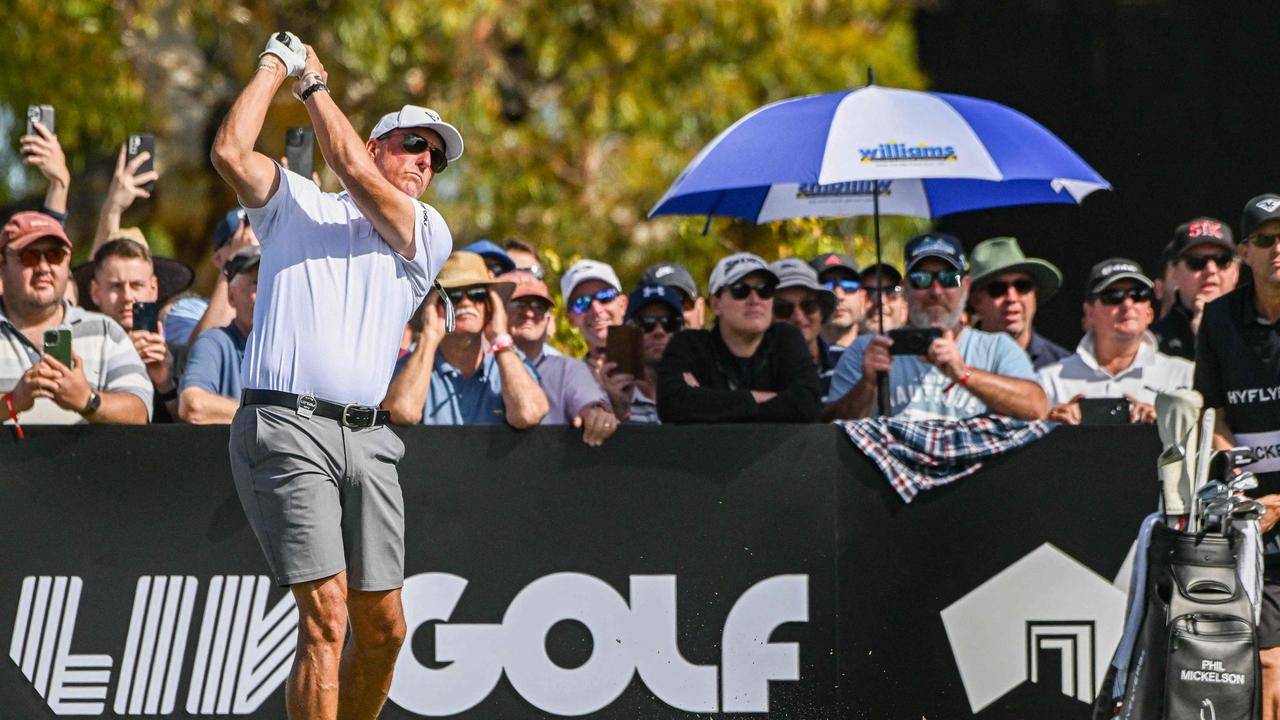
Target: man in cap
(658, 312)
(210, 388)
(495, 258)
(1008, 288)
(232, 234)
(594, 301)
(573, 395)
(1238, 373)
(882, 284)
(1117, 357)
(105, 382)
(806, 305)
(458, 378)
(340, 275)
(964, 372)
(746, 368)
(1202, 268)
(838, 273)
(674, 275)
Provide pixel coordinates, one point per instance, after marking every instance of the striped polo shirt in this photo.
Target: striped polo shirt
(110, 362)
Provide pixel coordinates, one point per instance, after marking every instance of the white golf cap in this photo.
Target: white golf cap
(737, 266)
(585, 270)
(413, 116)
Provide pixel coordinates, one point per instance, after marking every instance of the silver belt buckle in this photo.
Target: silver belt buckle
(307, 405)
(363, 419)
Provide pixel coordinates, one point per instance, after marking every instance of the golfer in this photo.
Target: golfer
(313, 462)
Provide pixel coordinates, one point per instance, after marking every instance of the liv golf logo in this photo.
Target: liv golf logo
(244, 649)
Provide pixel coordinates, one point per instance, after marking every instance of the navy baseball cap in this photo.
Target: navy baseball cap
(228, 226)
(491, 253)
(647, 294)
(934, 245)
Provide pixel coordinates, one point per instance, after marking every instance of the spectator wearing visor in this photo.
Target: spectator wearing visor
(454, 378)
(838, 273)
(495, 258)
(594, 303)
(573, 396)
(674, 275)
(210, 389)
(657, 311)
(1117, 357)
(882, 284)
(964, 373)
(746, 368)
(1008, 288)
(803, 303)
(1202, 268)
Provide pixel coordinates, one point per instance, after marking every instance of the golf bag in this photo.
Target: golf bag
(1194, 654)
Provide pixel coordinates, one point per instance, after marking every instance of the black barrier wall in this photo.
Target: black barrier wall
(676, 573)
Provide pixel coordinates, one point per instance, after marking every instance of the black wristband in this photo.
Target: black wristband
(312, 90)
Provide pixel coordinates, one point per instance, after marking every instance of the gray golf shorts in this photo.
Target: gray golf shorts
(320, 497)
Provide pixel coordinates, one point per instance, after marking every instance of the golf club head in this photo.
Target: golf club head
(1248, 510)
(1211, 490)
(1245, 481)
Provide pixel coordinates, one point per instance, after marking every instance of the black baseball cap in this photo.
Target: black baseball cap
(888, 271)
(833, 261)
(1200, 231)
(1258, 211)
(670, 274)
(1113, 270)
(650, 293)
(245, 259)
(934, 245)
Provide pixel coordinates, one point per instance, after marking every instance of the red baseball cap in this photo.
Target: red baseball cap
(527, 285)
(27, 227)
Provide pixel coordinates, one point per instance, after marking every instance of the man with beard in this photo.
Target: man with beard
(965, 373)
(1008, 287)
(1202, 268)
(838, 273)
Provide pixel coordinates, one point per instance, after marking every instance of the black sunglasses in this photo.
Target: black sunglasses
(1264, 241)
(669, 323)
(1000, 288)
(741, 289)
(923, 279)
(1117, 296)
(782, 309)
(478, 294)
(416, 145)
(1197, 263)
(582, 303)
(889, 291)
(538, 307)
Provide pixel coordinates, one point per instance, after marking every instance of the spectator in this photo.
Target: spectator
(805, 304)
(453, 379)
(524, 257)
(838, 273)
(675, 275)
(658, 312)
(744, 369)
(106, 382)
(1008, 288)
(1202, 268)
(573, 396)
(497, 261)
(1118, 356)
(1238, 373)
(210, 391)
(882, 285)
(965, 373)
(593, 294)
(232, 233)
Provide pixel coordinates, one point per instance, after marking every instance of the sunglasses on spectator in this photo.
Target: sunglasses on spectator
(1117, 296)
(416, 145)
(1199, 262)
(534, 270)
(670, 323)
(582, 303)
(537, 307)
(782, 309)
(848, 286)
(889, 291)
(1000, 288)
(741, 289)
(1264, 241)
(923, 279)
(477, 294)
(30, 257)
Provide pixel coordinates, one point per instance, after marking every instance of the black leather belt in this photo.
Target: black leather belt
(352, 416)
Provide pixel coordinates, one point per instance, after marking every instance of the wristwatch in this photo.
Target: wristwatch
(91, 407)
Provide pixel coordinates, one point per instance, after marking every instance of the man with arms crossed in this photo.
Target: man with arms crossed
(339, 277)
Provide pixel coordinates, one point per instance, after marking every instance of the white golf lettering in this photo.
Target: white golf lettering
(750, 660)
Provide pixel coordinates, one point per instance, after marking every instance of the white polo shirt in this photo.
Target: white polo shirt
(333, 297)
(1151, 373)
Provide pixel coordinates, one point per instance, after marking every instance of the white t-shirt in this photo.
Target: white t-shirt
(1151, 373)
(333, 297)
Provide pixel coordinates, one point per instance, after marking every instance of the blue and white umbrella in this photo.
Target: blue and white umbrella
(913, 153)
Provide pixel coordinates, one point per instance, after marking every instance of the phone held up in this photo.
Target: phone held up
(146, 316)
(912, 340)
(300, 150)
(57, 344)
(137, 144)
(624, 345)
(42, 114)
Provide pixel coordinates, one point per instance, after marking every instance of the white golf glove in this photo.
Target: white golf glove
(287, 47)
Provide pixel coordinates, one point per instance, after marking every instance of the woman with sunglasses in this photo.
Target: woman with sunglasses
(806, 305)
(746, 368)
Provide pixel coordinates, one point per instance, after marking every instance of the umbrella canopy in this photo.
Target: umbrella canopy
(920, 154)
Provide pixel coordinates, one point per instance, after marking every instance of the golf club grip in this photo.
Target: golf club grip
(882, 394)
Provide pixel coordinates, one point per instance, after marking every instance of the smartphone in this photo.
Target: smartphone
(146, 316)
(300, 149)
(624, 345)
(1104, 411)
(42, 114)
(137, 144)
(913, 341)
(57, 344)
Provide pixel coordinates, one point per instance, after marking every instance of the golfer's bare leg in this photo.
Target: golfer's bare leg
(1270, 658)
(377, 632)
(312, 690)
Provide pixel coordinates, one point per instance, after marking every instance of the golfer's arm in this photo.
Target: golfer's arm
(1022, 399)
(856, 403)
(250, 173)
(407, 394)
(390, 210)
(525, 402)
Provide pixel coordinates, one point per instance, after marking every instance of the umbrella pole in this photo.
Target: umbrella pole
(882, 382)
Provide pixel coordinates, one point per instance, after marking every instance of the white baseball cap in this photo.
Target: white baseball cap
(737, 266)
(413, 116)
(585, 270)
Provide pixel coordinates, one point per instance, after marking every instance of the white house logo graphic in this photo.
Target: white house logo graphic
(1045, 603)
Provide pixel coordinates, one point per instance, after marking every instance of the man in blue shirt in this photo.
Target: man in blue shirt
(210, 389)
(964, 373)
(454, 379)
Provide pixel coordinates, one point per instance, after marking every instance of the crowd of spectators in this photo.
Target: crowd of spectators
(796, 340)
